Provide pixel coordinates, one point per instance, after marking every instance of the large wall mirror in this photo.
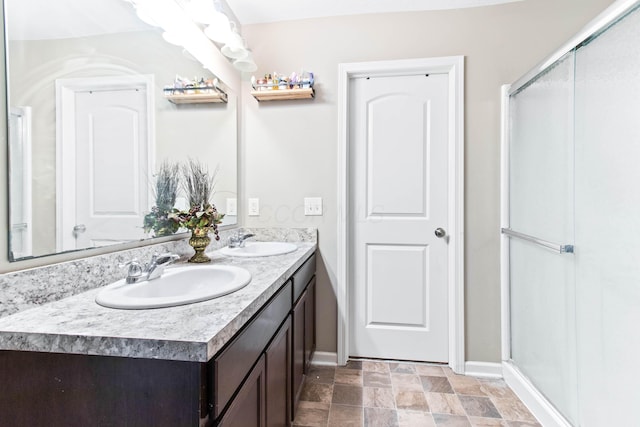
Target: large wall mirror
(89, 125)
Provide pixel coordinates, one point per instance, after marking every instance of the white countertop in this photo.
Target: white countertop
(193, 332)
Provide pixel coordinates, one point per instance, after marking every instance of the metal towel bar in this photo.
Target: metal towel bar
(561, 249)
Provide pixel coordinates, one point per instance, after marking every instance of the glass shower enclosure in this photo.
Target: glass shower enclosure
(571, 228)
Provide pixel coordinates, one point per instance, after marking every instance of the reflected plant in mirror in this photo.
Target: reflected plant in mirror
(162, 219)
(89, 123)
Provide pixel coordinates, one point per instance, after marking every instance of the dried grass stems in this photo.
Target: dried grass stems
(167, 185)
(198, 183)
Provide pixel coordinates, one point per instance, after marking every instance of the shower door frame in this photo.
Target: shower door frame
(543, 410)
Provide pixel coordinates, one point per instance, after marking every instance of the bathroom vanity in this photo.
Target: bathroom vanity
(237, 360)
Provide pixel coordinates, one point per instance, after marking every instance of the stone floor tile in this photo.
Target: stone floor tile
(496, 388)
(315, 392)
(512, 409)
(466, 385)
(348, 376)
(407, 382)
(429, 370)
(376, 379)
(321, 374)
(389, 394)
(347, 395)
(488, 422)
(411, 400)
(382, 367)
(477, 406)
(379, 417)
(312, 414)
(444, 403)
(523, 424)
(436, 384)
(377, 397)
(443, 420)
(415, 419)
(402, 368)
(352, 364)
(345, 416)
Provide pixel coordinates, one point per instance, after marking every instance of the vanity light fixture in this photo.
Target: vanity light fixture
(235, 46)
(246, 64)
(219, 28)
(172, 38)
(182, 23)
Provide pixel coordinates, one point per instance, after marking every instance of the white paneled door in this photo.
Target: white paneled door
(398, 217)
(112, 153)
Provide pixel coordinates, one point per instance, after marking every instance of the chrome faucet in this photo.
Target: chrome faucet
(238, 240)
(154, 269)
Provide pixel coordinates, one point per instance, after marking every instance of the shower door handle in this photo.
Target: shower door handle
(561, 249)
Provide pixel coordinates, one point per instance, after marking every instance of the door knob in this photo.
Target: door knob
(79, 229)
(440, 233)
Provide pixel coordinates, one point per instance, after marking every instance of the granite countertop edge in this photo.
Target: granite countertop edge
(244, 305)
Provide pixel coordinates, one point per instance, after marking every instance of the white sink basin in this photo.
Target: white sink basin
(257, 249)
(176, 286)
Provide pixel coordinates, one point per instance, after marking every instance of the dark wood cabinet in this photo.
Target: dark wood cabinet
(298, 362)
(248, 408)
(310, 325)
(304, 327)
(278, 367)
(253, 381)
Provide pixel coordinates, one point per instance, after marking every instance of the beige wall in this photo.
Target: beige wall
(289, 149)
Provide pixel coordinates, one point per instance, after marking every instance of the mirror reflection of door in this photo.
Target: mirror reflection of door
(105, 126)
(20, 182)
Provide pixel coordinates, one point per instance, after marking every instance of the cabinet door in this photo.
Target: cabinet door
(248, 407)
(310, 325)
(278, 359)
(298, 364)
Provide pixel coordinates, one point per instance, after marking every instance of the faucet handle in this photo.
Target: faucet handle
(135, 268)
(165, 258)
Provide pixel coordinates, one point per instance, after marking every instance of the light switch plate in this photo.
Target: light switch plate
(313, 206)
(254, 207)
(232, 207)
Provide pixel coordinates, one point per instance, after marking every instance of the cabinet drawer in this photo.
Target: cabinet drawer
(231, 366)
(302, 277)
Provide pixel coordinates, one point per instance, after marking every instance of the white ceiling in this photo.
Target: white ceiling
(259, 11)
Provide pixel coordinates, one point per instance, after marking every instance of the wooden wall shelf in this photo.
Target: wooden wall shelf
(283, 94)
(197, 98)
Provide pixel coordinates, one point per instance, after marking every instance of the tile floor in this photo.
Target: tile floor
(387, 394)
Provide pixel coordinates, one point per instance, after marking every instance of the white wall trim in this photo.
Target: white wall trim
(324, 358)
(539, 406)
(66, 143)
(483, 369)
(454, 67)
(505, 319)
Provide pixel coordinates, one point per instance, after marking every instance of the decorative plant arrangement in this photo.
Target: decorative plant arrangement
(200, 218)
(162, 220)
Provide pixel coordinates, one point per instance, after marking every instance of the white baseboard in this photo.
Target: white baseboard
(539, 406)
(483, 369)
(324, 358)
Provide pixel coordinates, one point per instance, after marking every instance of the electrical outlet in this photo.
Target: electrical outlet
(232, 207)
(254, 207)
(313, 206)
